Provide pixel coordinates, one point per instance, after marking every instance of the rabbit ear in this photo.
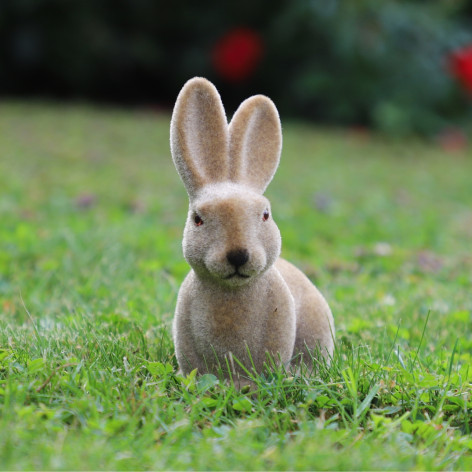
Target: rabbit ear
(255, 142)
(199, 135)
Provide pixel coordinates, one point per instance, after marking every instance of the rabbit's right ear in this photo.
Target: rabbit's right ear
(199, 135)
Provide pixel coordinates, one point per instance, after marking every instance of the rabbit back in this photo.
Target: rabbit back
(314, 320)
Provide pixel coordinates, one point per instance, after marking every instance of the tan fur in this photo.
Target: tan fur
(255, 134)
(240, 303)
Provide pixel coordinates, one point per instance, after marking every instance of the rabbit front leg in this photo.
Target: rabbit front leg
(185, 346)
(191, 333)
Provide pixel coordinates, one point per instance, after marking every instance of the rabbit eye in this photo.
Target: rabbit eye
(198, 221)
(265, 215)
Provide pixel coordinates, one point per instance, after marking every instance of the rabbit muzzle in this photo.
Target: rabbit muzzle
(238, 258)
(235, 267)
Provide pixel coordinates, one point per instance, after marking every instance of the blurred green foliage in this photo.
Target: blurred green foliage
(363, 62)
(375, 64)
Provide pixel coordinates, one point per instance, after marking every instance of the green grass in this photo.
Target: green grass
(91, 216)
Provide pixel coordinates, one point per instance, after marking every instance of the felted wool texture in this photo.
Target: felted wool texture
(231, 311)
(255, 142)
(199, 136)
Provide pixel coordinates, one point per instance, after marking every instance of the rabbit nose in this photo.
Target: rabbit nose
(237, 257)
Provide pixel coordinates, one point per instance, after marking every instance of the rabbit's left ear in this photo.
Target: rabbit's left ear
(255, 143)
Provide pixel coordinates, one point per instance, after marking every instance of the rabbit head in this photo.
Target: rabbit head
(230, 236)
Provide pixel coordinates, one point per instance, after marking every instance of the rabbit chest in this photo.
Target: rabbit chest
(245, 323)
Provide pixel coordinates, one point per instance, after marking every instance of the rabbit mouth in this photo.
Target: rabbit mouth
(237, 274)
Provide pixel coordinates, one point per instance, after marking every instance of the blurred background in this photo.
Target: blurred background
(397, 66)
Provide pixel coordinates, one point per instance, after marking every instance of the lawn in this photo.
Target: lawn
(91, 217)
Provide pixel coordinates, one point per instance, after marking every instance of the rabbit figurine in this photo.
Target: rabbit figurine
(241, 304)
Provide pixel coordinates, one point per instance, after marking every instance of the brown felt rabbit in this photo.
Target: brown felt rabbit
(240, 303)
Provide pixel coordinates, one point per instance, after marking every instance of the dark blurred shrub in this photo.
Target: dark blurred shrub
(369, 62)
(362, 62)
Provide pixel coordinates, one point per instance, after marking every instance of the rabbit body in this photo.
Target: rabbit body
(241, 304)
(211, 331)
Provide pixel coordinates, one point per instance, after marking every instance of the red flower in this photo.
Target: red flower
(236, 55)
(461, 66)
